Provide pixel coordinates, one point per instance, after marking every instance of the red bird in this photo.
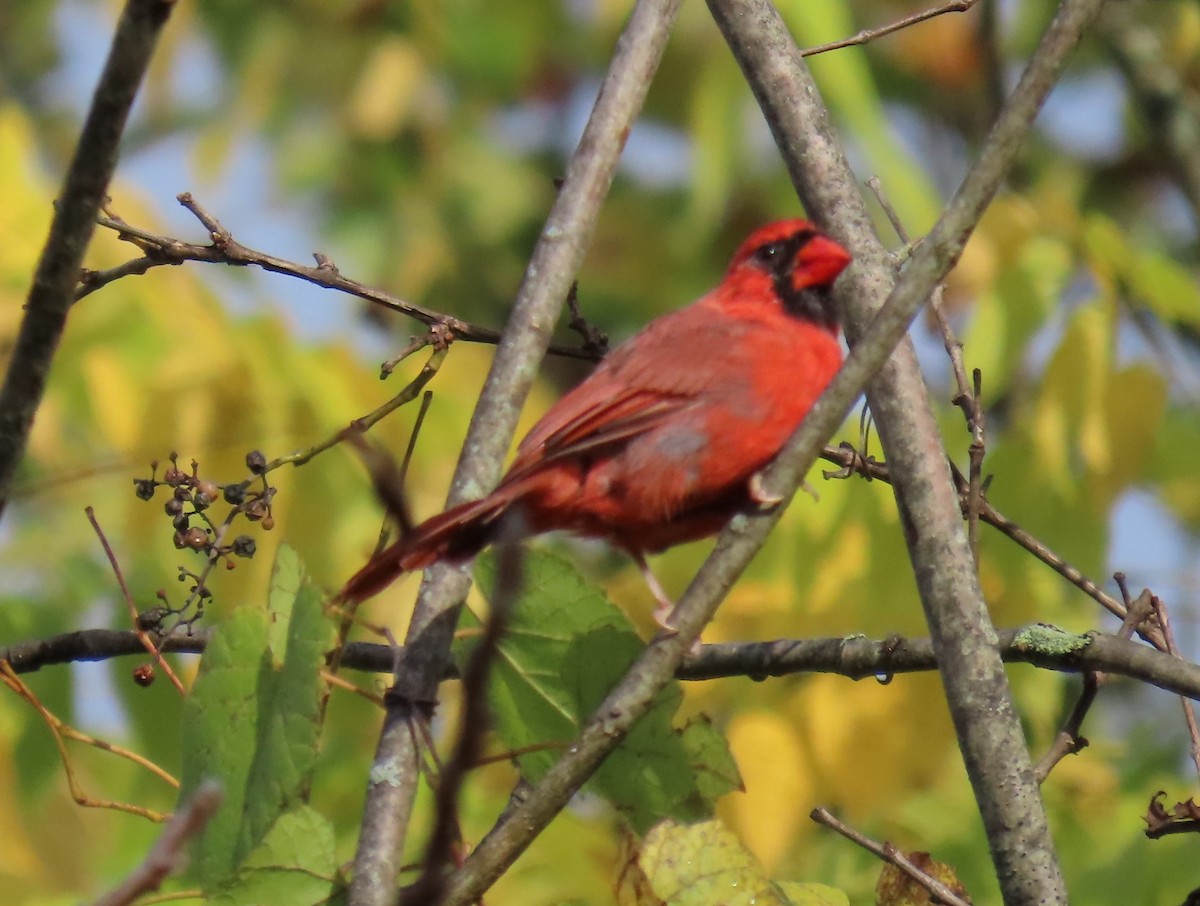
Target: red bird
(664, 441)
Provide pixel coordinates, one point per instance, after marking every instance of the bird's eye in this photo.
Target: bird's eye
(770, 252)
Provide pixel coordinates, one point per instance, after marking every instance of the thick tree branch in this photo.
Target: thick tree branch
(855, 658)
(1024, 847)
(989, 731)
(548, 278)
(83, 192)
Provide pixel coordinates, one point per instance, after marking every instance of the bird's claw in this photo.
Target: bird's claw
(664, 618)
(760, 495)
(764, 499)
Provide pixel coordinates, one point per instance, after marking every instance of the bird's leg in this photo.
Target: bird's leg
(666, 607)
(664, 613)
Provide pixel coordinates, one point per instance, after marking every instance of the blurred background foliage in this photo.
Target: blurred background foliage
(418, 144)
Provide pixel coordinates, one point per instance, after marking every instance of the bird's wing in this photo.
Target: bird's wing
(592, 425)
(641, 384)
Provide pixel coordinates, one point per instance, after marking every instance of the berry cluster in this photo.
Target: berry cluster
(190, 510)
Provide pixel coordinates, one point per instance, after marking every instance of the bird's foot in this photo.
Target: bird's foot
(765, 499)
(760, 495)
(664, 611)
(664, 618)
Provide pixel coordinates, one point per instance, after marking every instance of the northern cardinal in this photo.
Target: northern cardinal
(664, 441)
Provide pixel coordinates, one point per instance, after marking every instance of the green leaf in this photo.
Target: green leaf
(566, 647)
(296, 863)
(253, 718)
(287, 576)
(290, 698)
(220, 724)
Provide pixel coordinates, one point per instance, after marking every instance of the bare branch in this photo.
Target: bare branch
(870, 34)
(168, 853)
(889, 853)
(990, 734)
(1189, 715)
(83, 192)
(1069, 740)
(224, 249)
(143, 636)
(552, 268)
(855, 658)
(473, 721)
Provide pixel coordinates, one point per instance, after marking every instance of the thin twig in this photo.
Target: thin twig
(852, 462)
(595, 340)
(162, 251)
(168, 854)
(365, 423)
(143, 636)
(83, 191)
(336, 681)
(870, 34)
(890, 853)
(1068, 740)
(1189, 715)
(473, 721)
(418, 423)
(59, 730)
(969, 396)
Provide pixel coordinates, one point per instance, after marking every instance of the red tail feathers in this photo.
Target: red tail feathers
(453, 536)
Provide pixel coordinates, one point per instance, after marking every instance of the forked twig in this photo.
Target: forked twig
(61, 731)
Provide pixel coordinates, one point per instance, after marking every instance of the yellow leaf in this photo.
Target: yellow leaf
(770, 757)
(386, 88)
(703, 864)
(116, 400)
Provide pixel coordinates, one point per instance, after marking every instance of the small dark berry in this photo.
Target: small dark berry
(144, 487)
(150, 618)
(172, 476)
(179, 543)
(181, 523)
(182, 493)
(173, 507)
(236, 493)
(244, 546)
(256, 461)
(143, 675)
